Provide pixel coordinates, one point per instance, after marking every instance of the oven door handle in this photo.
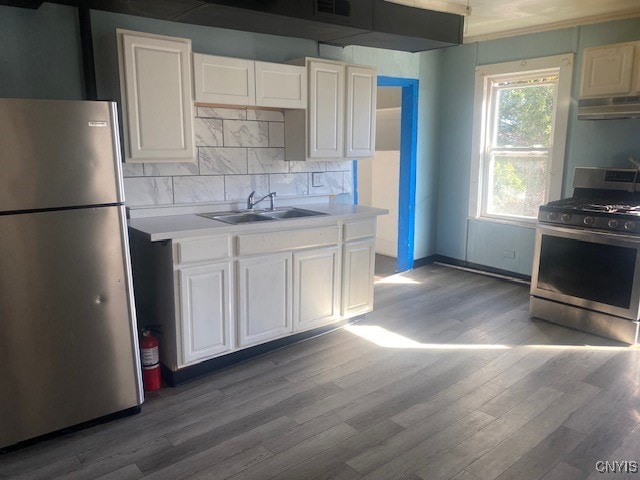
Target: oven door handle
(595, 236)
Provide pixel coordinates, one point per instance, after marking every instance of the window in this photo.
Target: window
(520, 125)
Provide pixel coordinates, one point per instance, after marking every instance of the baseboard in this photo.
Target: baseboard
(175, 378)
(484, 269)
(424, 261)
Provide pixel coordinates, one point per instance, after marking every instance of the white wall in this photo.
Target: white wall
(385, 180)
(379, 178)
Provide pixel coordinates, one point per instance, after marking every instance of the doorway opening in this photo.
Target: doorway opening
(389, 179)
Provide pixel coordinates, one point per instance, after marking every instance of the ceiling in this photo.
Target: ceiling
(483, 19)
(504, 18)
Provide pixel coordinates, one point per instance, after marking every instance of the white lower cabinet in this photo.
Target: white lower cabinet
(316, 286)
(213, 295)
(264, 298)
(205, 300)
(358, 276)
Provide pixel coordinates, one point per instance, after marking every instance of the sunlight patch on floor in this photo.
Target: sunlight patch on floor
(395, 280)
(384, 338)
(388, 339)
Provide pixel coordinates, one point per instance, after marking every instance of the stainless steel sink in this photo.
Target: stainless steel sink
(235, 218)
(291, 213)
(260, 215)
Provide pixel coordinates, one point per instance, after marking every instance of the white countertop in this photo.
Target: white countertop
(190, 225)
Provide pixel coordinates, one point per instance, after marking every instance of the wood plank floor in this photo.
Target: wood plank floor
(447, 378)
(385, 265)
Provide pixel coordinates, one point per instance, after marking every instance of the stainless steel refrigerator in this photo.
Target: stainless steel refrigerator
(68, 339)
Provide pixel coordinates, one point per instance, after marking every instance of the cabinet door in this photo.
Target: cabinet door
(264, 298)
(316, 287)
(358, 276)
(326, 110)
(280, 86)
(607, 70)
(155, 79)
(205, 308)
(224, 80)
(360, 130)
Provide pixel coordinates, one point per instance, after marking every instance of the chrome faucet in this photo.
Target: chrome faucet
(251, 203)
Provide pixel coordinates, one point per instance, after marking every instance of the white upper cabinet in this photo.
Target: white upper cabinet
(280, 86)
(224, 80)
(326, 110)
(247, 83)
(155, 83)
(340, 122)
(360, 129)
(611, 70)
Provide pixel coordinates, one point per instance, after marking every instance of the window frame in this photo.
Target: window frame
(486, 76)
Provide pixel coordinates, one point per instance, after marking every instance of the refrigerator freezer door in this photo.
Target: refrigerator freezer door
(56, 153)
(68, 343)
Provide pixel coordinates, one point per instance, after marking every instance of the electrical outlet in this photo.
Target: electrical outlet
(317, 179)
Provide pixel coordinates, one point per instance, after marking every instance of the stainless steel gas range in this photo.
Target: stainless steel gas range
(586, 267)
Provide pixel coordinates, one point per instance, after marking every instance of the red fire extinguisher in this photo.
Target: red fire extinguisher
(150, 361)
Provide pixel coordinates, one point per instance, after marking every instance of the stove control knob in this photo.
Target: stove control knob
(565, 217)
(629, 226)
(588, 220)
(612, 223)
(553, 216)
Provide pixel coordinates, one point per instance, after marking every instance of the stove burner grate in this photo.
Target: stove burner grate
(611, 208)
(593, 205)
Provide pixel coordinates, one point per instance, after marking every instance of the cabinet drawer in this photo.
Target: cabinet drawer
(365, 228)
(201, 249)
(289, 240)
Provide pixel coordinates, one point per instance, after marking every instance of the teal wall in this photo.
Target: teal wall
(41, 58)
(426, 69)
(589, 143)
(458, 68)
(429, 132)
(40, 55)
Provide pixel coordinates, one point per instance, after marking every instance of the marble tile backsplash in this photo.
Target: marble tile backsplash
(239, 151)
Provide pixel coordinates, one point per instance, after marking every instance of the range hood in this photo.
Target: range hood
(371, 23)
(609, 108)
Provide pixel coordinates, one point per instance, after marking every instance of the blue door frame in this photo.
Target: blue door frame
(408, 154)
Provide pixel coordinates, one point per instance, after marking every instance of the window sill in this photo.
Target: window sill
(506, 221)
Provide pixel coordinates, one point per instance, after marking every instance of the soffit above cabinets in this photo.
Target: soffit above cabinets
(325, 20)
(372, 23)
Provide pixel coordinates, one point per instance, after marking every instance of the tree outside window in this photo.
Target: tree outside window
(519, 147)
(516, 137)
